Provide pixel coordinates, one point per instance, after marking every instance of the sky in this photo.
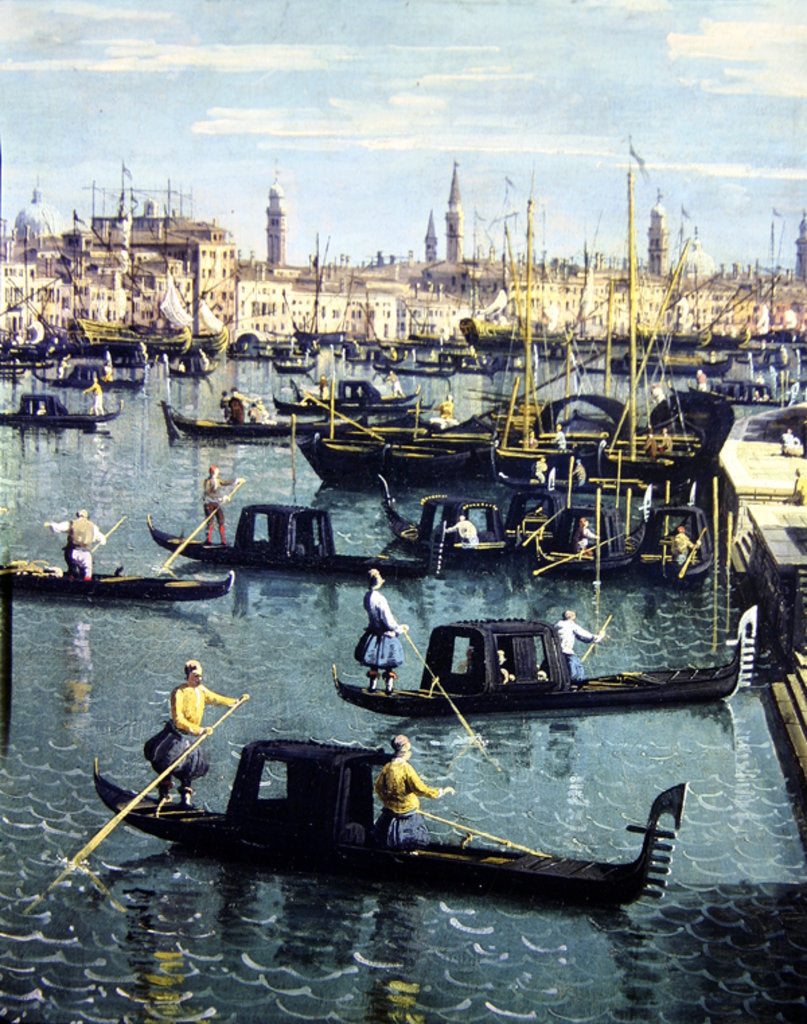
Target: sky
(360, 110)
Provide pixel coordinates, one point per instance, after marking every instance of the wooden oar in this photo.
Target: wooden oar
(691, 554)
(113, 823)
(485, 835)
(475, 740)
(588, 650)
(109, 533)
(568, 558)
(199, 528)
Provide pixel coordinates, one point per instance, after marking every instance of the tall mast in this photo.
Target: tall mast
(632, 319)
(528, 381)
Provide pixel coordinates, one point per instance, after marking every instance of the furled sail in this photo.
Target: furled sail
(497, 308)
(209, 323)
(172, 307)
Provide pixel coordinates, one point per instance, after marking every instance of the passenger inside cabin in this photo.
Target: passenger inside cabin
(506, 675)
(584, 536)
(665, 443)
(466, 531)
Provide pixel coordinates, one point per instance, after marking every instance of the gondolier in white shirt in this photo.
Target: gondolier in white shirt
(82, 534)
(568, 631)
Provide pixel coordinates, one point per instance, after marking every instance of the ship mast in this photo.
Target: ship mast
(528, 381)
(632, 320)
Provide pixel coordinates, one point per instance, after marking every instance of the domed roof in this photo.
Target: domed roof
(39, 218)
(276, 192)
(699, 262)
(658, 210)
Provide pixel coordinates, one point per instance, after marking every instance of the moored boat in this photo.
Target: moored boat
(465, 672)
(318, 813)
(45, 580)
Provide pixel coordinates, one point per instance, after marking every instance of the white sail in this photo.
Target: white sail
(790, 321)
(763, 320)
(497, 307)
(209, 323)
(173, 308)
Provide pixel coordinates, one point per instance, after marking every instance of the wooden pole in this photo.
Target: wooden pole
(436, 683)
(565, 558)
(484, 835)
(113, 823)
(109, 534)
(199, 528)
(598, 521)
(589, 649)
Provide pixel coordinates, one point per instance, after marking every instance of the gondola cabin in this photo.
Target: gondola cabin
(303, 796)
(657, 554)
(288, 531)
(495, 657)
(41, 405)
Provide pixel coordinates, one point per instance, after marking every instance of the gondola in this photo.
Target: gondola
(45, 412)
(655, 551)
(83, 375)
(45, 580)
(287, 538)
(464, 672)
(179, 426)
(309, 807)
(351, 398)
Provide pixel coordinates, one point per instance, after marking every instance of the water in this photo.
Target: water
(157, 935)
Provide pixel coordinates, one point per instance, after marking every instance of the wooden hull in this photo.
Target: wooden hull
(532, 876)
(115, 588)
(607, 693)
(261, 556)
(179, 426)
(70, 421)
(385, 407)
(351, 460)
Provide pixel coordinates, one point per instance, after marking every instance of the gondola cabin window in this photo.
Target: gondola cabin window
(522, 659)
(273, 796)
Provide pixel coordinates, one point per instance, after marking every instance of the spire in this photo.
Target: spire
(455, 221)
(431, 240)
(454, 197)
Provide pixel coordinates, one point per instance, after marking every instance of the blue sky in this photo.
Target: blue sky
(361, 110)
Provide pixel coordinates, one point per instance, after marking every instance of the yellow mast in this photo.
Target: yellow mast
(528, 381)
(632, 315)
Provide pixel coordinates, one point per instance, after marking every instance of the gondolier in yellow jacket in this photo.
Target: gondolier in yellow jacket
(398, 786)
(188, 703)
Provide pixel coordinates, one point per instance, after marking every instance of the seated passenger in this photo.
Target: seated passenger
(465, 529)
(583, 536)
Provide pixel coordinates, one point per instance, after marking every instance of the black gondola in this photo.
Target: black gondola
(464, 672)
(83, 375)
(44, 580)
(309, 807)
(287, 538)
(352, 398)
(47, 413)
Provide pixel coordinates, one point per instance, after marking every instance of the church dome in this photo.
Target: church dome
(698, 261)
(658, 212)
(803, 226)
(39, 218)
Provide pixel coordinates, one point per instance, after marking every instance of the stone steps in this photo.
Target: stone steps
(790, 699)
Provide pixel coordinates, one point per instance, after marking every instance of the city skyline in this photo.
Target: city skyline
(361, 111)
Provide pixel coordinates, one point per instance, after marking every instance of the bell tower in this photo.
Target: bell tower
(455, 222)
(658, 241)
(276, 226)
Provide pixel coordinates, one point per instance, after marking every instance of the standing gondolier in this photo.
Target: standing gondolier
(568, 631)
(188, 703)
(82, 533)
(379, 647)
(213, 498)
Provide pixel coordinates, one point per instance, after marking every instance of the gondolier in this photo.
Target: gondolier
(212, 499)
(400, 825)
(379, 647)
(188, 703)
(82, 534)
(568, 631)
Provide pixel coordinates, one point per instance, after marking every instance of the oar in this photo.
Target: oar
(567, 558)
(199, 528)
(588, 650)
(113, 823)
(475, 740)
(109, 533)
(691, 554)
(485, 835)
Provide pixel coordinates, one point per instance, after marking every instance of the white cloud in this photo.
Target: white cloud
(146, 56)
(770, 56)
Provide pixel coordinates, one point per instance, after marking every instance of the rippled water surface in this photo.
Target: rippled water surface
(156, 935)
